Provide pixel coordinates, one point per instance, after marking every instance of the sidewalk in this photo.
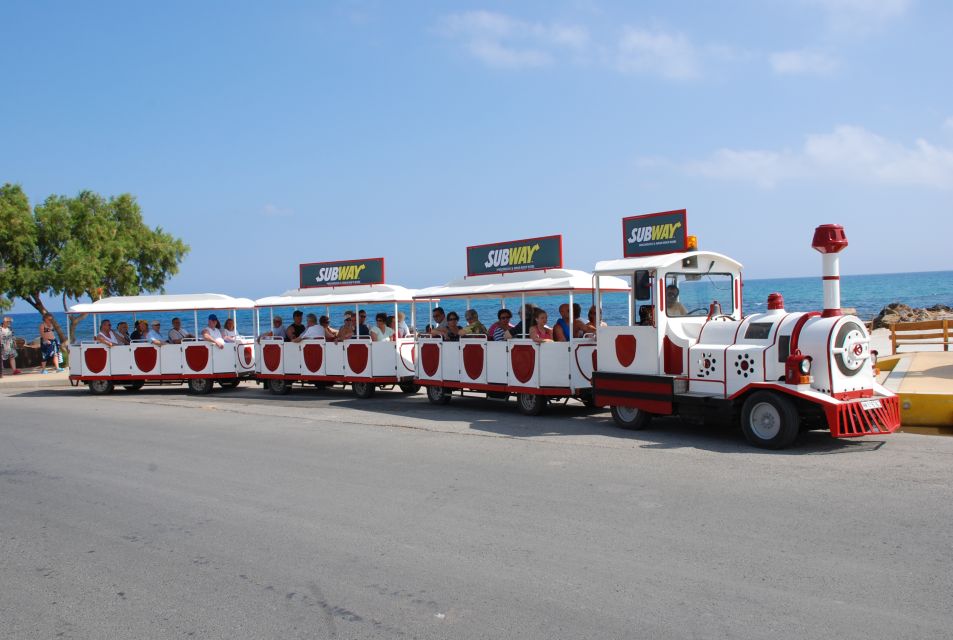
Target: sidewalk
(31, 378)
(924, 382)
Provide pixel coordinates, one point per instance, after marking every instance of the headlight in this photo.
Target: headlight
(806, 366)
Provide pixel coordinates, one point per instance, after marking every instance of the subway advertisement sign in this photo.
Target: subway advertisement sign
(655, 233)
(532, 254)
(342, 273)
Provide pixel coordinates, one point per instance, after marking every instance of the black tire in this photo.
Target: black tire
(770, 420)
(438, 395)
(200, 386)
(229, 383)
(101, 387)
(531, 404)
(630, 418)
(409, 388)
(279, 387)
(363, 390)
(133, 386)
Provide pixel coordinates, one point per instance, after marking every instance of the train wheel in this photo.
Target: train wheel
(531, 404)
(135, 386)
(200, 386)
(409, 388)
(279, 387)
(438, 395)
(363, 389)
(631, 418)
(229, 383)
(101, 387)
(769, 420)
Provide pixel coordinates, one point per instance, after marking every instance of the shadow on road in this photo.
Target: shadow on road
(503, 418)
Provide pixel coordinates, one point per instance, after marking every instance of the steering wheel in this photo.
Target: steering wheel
(703, 310)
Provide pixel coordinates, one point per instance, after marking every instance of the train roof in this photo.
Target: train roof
(545, 282)
(351, 294)
(663, 261)
(176, 302)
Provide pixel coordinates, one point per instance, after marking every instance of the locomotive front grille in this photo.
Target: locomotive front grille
(864, 417)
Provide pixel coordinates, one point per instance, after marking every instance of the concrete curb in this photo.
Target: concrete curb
(34, 381)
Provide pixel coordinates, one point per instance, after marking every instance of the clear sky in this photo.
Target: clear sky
(272, 133)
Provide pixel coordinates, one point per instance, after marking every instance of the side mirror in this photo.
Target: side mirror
(642, 284)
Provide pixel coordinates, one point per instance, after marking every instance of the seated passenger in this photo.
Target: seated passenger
(402, 329)
(155, 336)
(453, 329)
(212, 333)
(647, 315)
(347, 329)
(106, 335)
(578, 324)
(277, 330)
(590, 327)
(296, 328)
(561, 332)
(474, 326)
(526, 318)
(228, 332)
(540, 331)
(122, 332)
(380, 332)
(673, 306)
(140, 332)
(313, 330)
(499, 328)
(362, 329)
(177, 334)
(330, 333)
(439, 326)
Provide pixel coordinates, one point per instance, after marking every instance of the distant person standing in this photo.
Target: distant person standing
(8, 346)
(49, 344)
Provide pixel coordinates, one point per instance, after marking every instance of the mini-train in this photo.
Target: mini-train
(686, 348)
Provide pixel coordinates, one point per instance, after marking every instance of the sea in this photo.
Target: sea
(868, 294)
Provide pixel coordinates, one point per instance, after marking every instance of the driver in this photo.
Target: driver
(675, 308)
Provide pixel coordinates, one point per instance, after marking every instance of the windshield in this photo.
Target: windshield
(690, 294)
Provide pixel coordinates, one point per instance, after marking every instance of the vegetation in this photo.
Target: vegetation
(80, 246)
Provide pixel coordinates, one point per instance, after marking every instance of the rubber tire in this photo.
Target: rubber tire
(409, 388)
(135, 386)
(101, 387)
(634, 422)
(790, 420)
(200, 386)
(229, 383)
(531, 404)
(437, 395)
(363, 390)
(279, 387)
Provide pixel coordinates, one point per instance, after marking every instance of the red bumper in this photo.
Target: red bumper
(863, 417)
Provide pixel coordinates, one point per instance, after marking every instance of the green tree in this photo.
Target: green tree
(81, 246)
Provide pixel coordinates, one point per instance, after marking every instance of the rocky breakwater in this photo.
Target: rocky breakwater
(898, 312)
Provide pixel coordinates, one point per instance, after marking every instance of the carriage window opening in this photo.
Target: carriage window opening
(690, 294)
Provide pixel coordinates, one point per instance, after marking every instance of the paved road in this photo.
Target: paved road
(240, 515)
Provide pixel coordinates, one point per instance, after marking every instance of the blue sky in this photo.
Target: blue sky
(268, 134)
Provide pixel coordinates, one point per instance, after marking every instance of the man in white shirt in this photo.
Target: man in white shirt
(177, 334)
(212, 333)
(154, 337)
(313, 330)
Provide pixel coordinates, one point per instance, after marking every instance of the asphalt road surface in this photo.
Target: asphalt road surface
(316, 515)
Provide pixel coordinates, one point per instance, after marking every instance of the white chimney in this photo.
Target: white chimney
(829, 240)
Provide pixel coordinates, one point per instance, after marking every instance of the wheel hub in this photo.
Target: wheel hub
(765, 421)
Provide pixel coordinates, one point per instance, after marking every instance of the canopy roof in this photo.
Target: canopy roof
(179, 302)
(665, 261)
(354, 294)
(548, 282)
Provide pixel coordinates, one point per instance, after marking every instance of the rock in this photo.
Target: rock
(898, 312)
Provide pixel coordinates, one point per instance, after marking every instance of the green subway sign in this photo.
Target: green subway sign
(655, 233)
(343, 273)
(532, 254)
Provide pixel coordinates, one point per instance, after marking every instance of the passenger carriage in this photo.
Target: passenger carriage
(688, 350)
(360, 362)
(194, 362)
(534, 372)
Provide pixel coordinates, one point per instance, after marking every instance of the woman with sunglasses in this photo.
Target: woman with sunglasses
(499, 328)
(453, 330)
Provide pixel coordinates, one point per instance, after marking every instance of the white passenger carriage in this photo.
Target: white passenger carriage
(194, 361)
(535, 372)
(688, 350)
(359, 361)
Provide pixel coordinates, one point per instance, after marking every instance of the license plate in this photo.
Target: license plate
(867, 405)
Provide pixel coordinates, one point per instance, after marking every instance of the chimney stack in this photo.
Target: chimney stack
(829, 240)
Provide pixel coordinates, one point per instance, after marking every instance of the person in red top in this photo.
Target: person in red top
(540, 332)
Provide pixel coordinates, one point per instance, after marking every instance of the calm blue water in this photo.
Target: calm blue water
(868, 294)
